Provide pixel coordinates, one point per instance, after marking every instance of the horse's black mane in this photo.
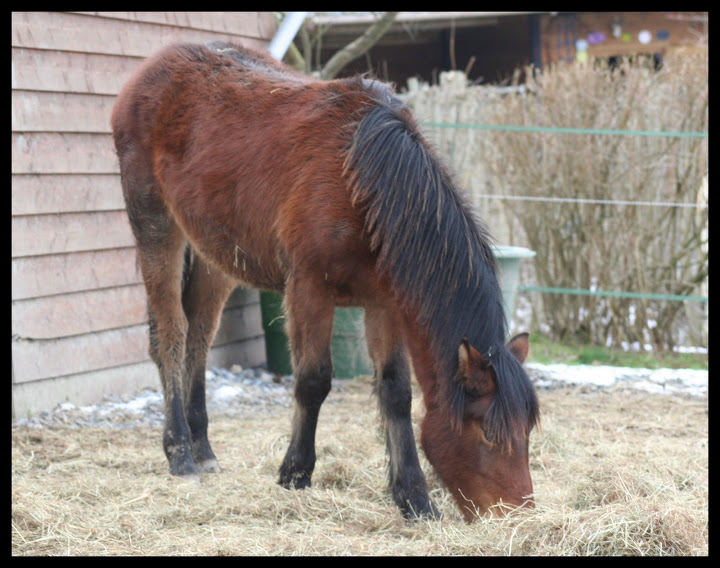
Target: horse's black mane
(436, 254)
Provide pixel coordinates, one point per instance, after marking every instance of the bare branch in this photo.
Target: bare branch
(358, 47)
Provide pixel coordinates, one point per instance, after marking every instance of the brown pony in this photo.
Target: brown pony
(236, 169)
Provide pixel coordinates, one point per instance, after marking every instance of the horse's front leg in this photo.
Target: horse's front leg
(310, 313)
(393, 389)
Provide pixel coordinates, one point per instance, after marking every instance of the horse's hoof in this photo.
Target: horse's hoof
(209, 466)
(296, 482)
(185, 469)
(426, 512)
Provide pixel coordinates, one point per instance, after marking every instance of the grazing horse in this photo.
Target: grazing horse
(238, 170)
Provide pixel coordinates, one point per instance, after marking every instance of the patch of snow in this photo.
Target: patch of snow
(663, 381)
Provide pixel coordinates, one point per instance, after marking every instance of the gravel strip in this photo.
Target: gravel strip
(233, 391)
(228, 392)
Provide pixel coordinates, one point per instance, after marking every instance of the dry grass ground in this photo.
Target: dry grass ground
(615, 473)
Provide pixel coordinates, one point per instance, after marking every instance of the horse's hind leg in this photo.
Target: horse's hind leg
(160, 251)
(161, 266)
(392, 375)
(204, 295)
(310, 317)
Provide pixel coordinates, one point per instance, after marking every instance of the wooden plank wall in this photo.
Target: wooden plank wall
(683, 29)
(78, 305)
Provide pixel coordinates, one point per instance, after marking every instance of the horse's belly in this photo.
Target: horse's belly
(254, 261)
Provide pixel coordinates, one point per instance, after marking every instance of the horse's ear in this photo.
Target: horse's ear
(463, 358)
(472, 373)
(470, 361)
(520, 346)
(468, 358)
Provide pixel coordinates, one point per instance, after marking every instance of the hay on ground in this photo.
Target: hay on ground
(615, 473)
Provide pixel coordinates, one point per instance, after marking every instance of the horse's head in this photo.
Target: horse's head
(481, 451)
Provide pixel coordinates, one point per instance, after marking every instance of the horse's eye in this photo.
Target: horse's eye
(487, 437)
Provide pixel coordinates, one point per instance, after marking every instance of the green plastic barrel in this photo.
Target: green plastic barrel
(349, 351)
(509, 262)
(277, 346)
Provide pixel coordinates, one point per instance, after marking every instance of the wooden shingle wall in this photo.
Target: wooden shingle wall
(79, 316)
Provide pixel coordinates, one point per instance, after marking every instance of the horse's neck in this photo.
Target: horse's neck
(423, 361)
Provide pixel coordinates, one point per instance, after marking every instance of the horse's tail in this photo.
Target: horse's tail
(188, 262)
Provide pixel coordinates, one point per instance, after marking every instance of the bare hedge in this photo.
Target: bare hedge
(643, 246)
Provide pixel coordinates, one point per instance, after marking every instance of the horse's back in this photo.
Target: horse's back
(190, 70)
(247, 156)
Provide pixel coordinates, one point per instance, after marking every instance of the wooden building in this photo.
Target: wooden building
(79, 315)
(568, 36)
(491, 46)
